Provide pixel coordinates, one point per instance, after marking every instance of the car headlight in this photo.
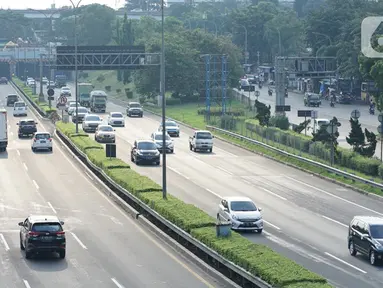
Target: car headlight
(157, 153)
(171, 144)
(377, 244)
(234, 217)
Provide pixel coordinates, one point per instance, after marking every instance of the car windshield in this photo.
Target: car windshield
(106, 128)
(12, 97)
(117, 115)
(42, 136)
(159, 137)
(100, 99)
(170, 124)
(376, 231)
(92, 118)
(47, 227)
(27, 122)
(204, 135)
(82, 110)
(242, 206)
(20, 104)
(146, 146)
(72, 104)
(65, 88)
(314, 97)
(134, 105)
(320, 123)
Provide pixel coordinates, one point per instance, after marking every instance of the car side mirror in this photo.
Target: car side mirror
(259, 209)
(17, 123)
(365, 236)
(102, 119)
(62, 222)
(226, 210)
(212, 136)
(21, 223)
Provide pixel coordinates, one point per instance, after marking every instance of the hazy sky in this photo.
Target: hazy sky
(44, 4)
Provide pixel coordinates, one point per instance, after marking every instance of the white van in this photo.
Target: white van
(318, 123)
(20, 109)
(3, 130)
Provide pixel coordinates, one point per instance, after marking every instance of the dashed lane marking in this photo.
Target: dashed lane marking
(51, 206)
(78, 241)
(178, 172)
(26, 284)
(116, 283)
(337, 222)
(25, 166)
(224, 170)
(36, 185)
(6, 246)
(345, 263)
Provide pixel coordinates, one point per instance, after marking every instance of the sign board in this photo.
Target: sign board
(51, 92)
(380, 129)
(304, 113)
(110, 150)
(355, 114)
(282, 108)
(314, 114)
(51, 98)
(62, 100)
(61, 107)
(257, 93)
(380, 118)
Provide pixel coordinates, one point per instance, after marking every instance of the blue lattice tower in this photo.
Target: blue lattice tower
(223, 82)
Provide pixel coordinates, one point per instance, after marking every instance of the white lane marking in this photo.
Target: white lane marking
(225, 152)
(335, 196)
(26, 284)
(272, 193)
(53, 208)
(2, 238)
(212, 192)
(86, 173)
(36, 185)
(11, 133)
(337, 222)
(224, 170)
(78, 241)
(178, 172)
(247, 182)
(272, 225)
(25, 166)
(18, 152)
(116, 283)
(9, 126)
(344, 262)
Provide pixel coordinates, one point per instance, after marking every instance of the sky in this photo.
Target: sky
(44, 4)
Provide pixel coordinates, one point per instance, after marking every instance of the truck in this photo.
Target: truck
(201, 140)
(83, 90)
(60, 81)
(3, 130)
(98, 101)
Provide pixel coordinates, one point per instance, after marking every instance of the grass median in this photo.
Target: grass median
(257, 259)
(44, 106)
(188, 114)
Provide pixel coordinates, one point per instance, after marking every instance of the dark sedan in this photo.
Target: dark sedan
(3, 80)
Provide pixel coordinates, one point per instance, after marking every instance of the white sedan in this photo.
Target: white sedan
(42, 141)
(65, 91)
(116, 119)
(105, 134)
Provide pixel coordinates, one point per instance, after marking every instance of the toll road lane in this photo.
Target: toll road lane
(293, 211)
(102, 249)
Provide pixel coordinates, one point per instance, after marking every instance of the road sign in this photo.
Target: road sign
(380, 118)
(51, 92)
(62, 100)
(51, 98)
(314, 114)
(380, 129)
(282, 108)
(257, 93)
(304, 113)
(61, 107)
(355, 114)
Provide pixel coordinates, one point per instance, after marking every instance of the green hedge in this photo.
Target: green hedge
(344, 157)
(216, 111)
(257, 259)
(34, 98)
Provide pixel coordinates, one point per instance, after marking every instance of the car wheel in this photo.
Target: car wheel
(259, 231)
(28, 255)
(62, 254)
(141, 115)
(129, 115)
(372, 257)
(195, 149)
(123, 125)
(211, 150)
(131, 158)
(158, 163)
(21, 245)
(51, 149)
(190, 147)
(33, 149)
(19, 135)
(351, 248)
(172, 151)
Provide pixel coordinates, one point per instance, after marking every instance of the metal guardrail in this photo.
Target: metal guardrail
(181, 233)
(314, 163)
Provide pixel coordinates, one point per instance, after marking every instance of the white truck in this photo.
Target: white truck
(201, 140)
(3, 130)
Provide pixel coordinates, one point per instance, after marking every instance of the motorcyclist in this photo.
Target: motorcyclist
(372, 108)
(270, 91)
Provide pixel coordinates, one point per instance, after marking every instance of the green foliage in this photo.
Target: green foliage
(356, 138)
(217, 111)
(14, 25)
(227, 122)
(101, 78)
(301, 126)
(280, 121)
(263, 113)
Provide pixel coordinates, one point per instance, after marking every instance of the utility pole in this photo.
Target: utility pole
(279, 82)
(258, 62)
(41, 94)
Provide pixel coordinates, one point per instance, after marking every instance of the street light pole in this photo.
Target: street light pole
(246, 52)
(162, 91)
(75, 56)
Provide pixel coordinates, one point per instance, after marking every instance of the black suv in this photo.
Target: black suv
(12, 99)
(42, 234)
(134, 109)
(365, 235)
(27, 127)
(145, 151)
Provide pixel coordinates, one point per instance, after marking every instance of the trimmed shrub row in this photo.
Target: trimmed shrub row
(344, 157)
(34, 98)
(215, 111)
(257, 259)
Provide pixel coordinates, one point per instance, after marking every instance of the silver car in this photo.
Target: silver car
(157, 138)
(241, 212)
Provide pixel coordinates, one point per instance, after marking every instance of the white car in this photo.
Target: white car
(171, 127)
(241, 212)
(65, 91)
(20, 109)
(44, 80)
(31, 82)
(72, 108)
(51, 85)
(157, 138)
(70, 104)
(105, 134)
(42, 141)
(91, 122)
(116, 119)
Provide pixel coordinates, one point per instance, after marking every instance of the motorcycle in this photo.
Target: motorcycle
(332, 103)
(270, 92)
(372, 110)
(260, 85)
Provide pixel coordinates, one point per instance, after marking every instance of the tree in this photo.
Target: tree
(369, 149)
(302, 126)
(14, 25)
(356, 138)
(263, 113)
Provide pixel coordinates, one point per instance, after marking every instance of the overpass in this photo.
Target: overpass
(56, 13)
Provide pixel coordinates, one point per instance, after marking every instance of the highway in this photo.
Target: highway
(105, 247)
(306, 218)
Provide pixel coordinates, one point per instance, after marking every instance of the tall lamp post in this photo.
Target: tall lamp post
(75, 6)
(246, 51)
(162, 92)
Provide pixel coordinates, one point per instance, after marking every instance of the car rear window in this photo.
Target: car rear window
(20, 104)
(42, 136)
(204, 135)
(117, 115)
(47, 227)
(12, 97)
(27, 122)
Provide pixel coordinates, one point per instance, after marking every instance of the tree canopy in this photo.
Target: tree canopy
(14, 25)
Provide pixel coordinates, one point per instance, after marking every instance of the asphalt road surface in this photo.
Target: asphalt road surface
(341, 111)
(105, 248)
(306, 218)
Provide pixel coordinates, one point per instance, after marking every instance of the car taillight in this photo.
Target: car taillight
(33, 233)
(34, 139)
(62, 233)
(50, 139)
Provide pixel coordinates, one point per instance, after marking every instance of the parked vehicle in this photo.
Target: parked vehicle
(201, 140)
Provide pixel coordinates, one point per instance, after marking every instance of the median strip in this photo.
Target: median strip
(257, 259)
